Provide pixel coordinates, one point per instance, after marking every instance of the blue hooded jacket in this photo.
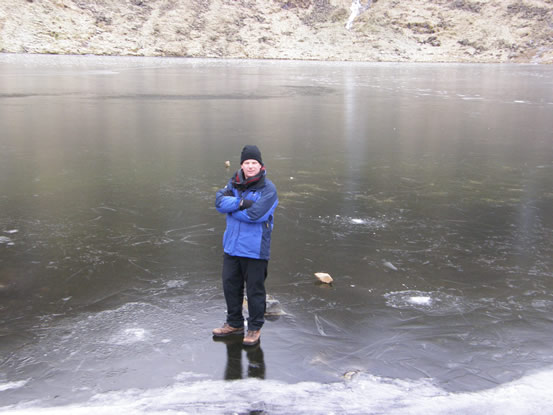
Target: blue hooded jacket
(248, 231)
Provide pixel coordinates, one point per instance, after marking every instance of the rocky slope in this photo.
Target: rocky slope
(388, 30)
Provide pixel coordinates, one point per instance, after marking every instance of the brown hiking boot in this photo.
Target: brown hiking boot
(252, 338)
(227, 330)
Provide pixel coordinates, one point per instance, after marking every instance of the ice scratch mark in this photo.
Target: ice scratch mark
(105, 208)
(186, 228)
(331, 324)
(319, 325)
(390, 266)
(12, 385)
(139, 267)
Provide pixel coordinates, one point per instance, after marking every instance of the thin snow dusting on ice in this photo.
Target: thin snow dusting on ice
(363, 394)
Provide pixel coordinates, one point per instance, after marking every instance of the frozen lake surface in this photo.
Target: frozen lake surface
(424, 190)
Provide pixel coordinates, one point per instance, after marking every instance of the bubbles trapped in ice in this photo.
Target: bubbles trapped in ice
(349, 224)
(368, 222)
(433, 303)
(176, 283)
(421, 300)
(131, 320)
(130, 336)
(6, 240)
(542, 305)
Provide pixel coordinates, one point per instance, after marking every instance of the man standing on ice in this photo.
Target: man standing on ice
(249, 201)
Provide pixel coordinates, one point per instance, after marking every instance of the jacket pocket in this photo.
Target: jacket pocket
(266, 239)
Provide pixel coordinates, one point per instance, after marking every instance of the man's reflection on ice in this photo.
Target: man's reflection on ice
(233, 369)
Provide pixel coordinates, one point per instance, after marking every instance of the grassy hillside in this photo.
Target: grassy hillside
(389, 30)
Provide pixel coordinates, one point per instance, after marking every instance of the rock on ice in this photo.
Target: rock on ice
(324, 277)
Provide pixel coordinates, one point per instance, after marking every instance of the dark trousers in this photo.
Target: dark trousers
(251, 273)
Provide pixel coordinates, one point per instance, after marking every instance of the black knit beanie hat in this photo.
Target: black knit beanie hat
(251, 152)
